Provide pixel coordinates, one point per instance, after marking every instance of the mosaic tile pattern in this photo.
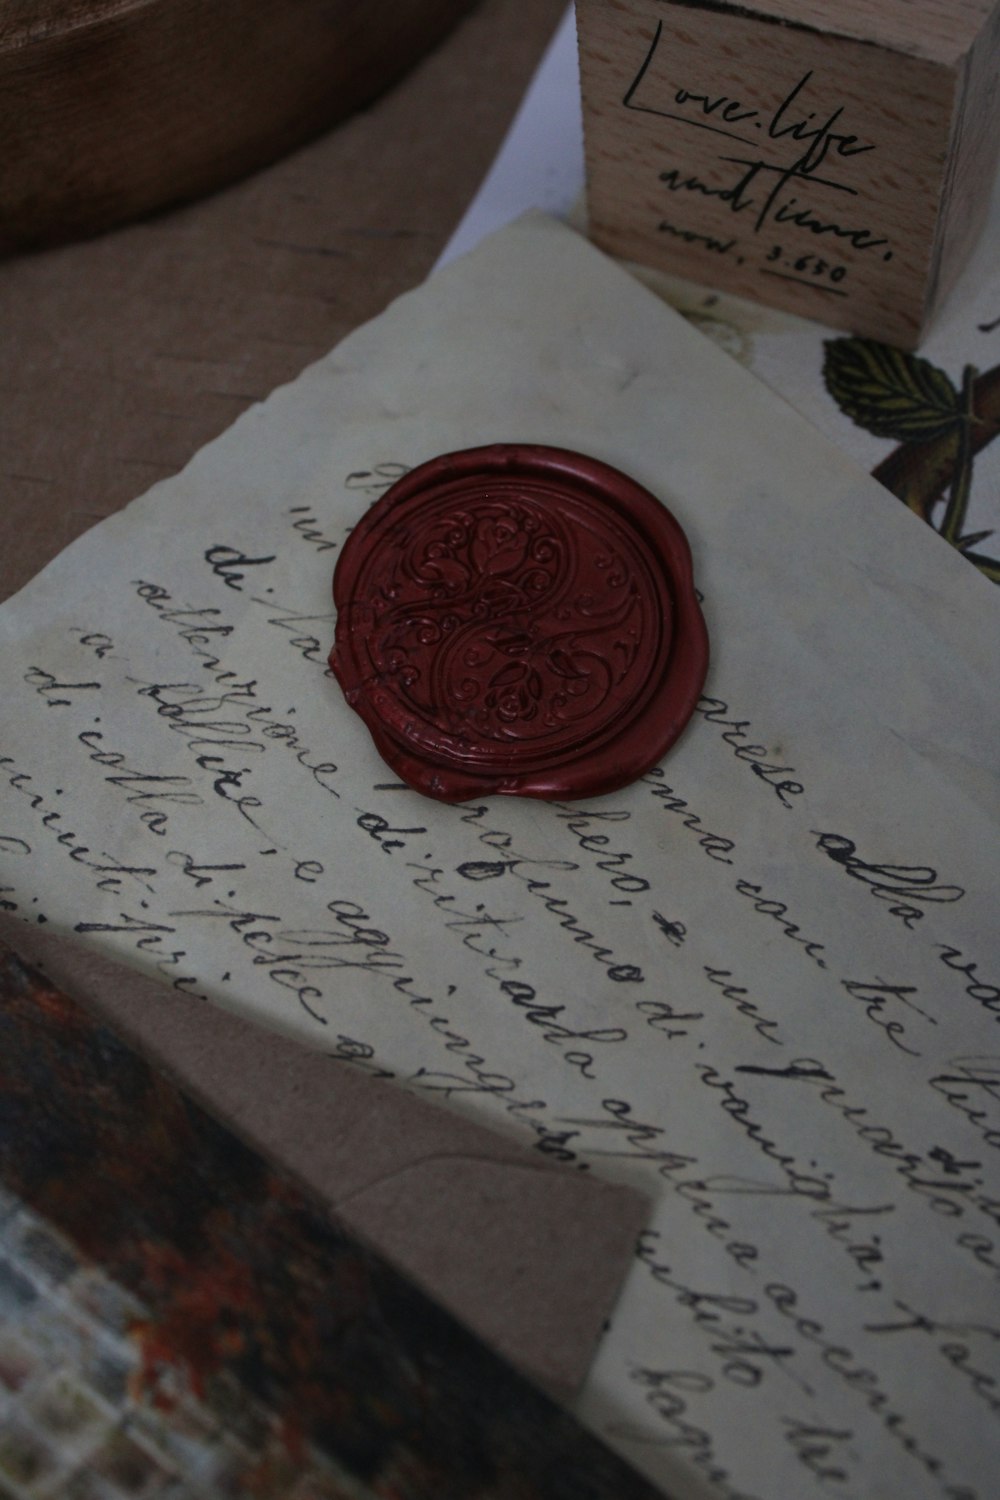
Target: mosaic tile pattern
(73, 1422)
(179, 1320)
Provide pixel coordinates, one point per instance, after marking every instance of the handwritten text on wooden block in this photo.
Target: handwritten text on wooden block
(820, 172)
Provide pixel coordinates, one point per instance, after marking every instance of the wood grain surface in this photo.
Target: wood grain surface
(122, 355)
(111, 108)
(938, 30)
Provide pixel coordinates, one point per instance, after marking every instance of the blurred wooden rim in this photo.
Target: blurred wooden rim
(110, 109)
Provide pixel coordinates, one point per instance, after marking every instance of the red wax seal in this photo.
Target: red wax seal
(519, 620)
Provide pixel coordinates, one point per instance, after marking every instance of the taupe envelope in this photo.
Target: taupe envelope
(528, 1255)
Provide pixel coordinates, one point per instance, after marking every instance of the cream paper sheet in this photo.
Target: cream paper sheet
(761, 984)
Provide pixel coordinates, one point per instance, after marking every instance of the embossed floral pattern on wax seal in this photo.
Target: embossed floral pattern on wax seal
(519, 620)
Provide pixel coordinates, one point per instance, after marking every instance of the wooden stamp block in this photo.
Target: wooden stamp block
(831, 157)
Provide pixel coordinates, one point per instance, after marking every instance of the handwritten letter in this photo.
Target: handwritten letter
(762, 983)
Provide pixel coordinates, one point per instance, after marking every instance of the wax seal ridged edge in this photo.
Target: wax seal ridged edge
(645, 737)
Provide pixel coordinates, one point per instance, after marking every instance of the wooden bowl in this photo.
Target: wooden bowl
(112, 108)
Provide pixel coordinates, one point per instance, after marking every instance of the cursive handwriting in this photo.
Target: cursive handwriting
(986, 995)
(715, 845)
(786, 122)
(799, 144)
(863, 1381)
(735, 732)
(900, 885)
(972, 1087)
(226, 562)
(777, 911)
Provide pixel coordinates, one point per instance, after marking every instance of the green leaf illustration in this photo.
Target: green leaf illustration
(888, 392)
